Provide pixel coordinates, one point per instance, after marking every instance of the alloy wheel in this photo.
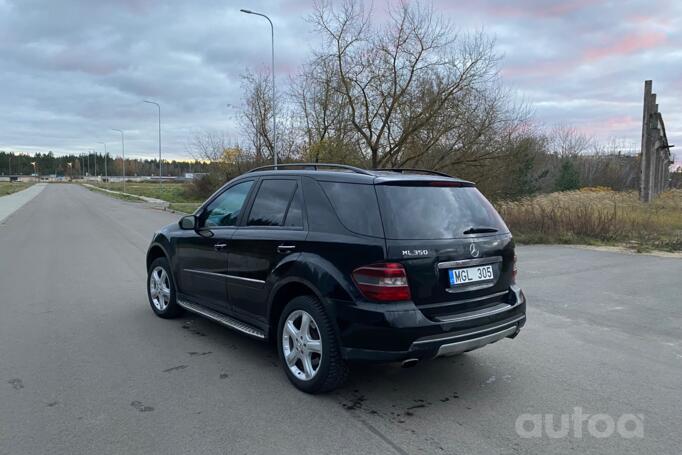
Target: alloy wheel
(159, 288)
(302, 345)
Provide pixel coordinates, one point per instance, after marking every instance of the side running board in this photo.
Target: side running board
(222, 319)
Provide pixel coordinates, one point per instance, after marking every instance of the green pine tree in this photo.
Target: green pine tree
(568, 178)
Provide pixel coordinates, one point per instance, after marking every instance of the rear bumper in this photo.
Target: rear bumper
(401, 332)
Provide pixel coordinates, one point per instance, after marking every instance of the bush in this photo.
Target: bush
(204, 186)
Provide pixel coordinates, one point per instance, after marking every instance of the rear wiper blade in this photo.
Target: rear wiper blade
(479, 230)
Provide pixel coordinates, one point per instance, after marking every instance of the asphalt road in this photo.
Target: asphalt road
(86, 368)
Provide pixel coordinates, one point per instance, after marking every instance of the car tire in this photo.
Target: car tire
(329, 369)
(161, 290)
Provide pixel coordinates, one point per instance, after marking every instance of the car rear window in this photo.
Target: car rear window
(271, 203)
(356, 206)
(435, 212)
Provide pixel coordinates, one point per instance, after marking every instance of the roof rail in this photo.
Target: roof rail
(406, 169)
(313, 166)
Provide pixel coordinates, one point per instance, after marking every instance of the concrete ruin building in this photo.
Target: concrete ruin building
(655, 157)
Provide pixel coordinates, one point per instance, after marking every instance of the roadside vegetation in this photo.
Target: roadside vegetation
(171, 192)
(181, 196)
(597, 216)
(12, 187)
(123, 197)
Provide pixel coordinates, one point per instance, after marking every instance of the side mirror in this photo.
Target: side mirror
(188, 222)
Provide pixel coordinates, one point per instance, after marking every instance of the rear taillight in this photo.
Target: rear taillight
(382, 282)
(514, 269)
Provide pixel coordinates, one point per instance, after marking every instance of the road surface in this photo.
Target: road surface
(86, 368)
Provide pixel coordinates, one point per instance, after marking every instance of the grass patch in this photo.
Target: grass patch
(12, 187)
(184, 207)
(598, 216)
(123, 197)
(169, 192)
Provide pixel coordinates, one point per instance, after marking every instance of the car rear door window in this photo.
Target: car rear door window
(295, 213)
(271, 203)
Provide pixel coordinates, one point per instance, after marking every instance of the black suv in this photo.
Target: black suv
(342, 264)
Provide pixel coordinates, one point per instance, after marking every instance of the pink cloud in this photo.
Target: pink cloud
(529, 8)
(628, 44)
(611, 126)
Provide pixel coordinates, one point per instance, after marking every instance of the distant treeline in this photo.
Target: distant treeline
(78, 165)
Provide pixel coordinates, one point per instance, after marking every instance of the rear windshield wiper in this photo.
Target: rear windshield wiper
(479, 230)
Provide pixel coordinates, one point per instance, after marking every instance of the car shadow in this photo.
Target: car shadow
(381, 389)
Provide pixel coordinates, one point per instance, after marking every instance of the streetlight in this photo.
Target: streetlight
(35, 172)
(158, 106)
(106, 158)
(274, 123)
(123, 150)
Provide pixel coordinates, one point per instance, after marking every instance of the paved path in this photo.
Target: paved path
(12, 202)
(86, 368)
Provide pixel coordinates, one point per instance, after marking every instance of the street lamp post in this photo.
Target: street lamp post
(159, 107)
(123, 151)
(274, 120)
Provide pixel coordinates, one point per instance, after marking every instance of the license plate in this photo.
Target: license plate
(471, 275)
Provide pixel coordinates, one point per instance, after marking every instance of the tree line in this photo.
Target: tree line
(77, 165)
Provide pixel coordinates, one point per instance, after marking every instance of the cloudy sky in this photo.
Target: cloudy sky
(70, 70)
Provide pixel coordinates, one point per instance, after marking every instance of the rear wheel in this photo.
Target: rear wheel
(161, 290)
(308, 348)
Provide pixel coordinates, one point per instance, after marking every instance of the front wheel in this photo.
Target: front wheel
(161, 290)
(308, 348)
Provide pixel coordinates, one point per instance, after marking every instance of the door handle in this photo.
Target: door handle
(284, 249)
(219, 246)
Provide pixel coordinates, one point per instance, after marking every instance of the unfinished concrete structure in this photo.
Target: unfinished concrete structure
(655, 156)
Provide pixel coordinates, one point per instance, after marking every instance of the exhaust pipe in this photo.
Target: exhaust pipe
(409, 363)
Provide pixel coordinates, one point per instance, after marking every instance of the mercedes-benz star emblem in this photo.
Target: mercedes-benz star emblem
(474, 251)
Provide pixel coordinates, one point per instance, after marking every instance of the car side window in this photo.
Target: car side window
(295, 213)
(271, 203)
(225, 209)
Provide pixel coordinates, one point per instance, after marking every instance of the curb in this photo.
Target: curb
(156, 203)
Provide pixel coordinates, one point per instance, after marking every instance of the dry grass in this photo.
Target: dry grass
(170, 192)
(598, 216)
(12, 187)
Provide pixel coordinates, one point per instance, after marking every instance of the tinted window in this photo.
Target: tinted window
(356, 206)
(422, 212)
(295, 212)
(225, 209)
(271, 203)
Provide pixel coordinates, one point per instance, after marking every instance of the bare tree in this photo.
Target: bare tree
(397, 80)
(567, 141)
(256, 115)
(229, 159)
